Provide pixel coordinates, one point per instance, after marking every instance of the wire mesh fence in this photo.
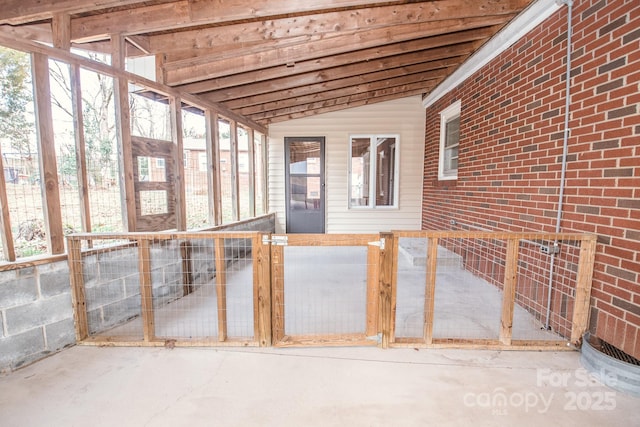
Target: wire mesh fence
(402, 288)
(487, 287)
(158, 288)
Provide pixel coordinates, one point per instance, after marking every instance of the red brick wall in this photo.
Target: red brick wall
(512, 125)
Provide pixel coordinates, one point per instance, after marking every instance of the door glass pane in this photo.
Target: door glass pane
(304, 157)
(360, 164)
(386, 151)
(304, 193)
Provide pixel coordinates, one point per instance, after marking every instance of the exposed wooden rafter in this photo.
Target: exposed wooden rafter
(270, 60)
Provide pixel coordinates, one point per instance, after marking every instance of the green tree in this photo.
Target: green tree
(15, 96)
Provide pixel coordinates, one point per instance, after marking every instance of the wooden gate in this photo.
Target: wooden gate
(325, 289)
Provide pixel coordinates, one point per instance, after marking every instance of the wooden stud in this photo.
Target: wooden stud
(47, 154)
(146, 289)
(213, 167)
(5, 218)
(277, 293)
(373, 289)
(77, 289)
(235, 184)
(430, 290)
(386, 291)
(187, 270)
(61, 31)
(20, 43)
(81, 157)
(252, 173)
(509, 291)
(221, 287)
(584, 279)
(123, 133)
(265, 172)
(175, 107)
(262, 290)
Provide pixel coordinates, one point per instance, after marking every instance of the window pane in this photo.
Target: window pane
(259, 172)
(153, 202)
(226, 183)
(195, 168)
(305, 192)
(386, 151)
(360, 167)
(101, 152)
(243, 173)
(149, 118)
(453, 132)
(20, 154)
(151, 169)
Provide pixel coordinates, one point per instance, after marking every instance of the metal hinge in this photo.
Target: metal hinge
(379, 243)
(275, 240)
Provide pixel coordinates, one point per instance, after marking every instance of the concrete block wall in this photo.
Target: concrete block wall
(36, 315)
(510, 153)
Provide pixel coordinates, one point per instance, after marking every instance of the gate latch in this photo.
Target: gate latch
(378, 243)
(275, 240)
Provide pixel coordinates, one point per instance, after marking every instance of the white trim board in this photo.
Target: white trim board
(527, 20)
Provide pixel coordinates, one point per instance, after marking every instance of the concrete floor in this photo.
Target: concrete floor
(308, 387)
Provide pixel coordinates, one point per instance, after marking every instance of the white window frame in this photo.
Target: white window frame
(446, 115)
(373, 171)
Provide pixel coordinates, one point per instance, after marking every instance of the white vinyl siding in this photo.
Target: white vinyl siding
(403, 117)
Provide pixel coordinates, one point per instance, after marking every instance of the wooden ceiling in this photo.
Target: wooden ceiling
(274, 60)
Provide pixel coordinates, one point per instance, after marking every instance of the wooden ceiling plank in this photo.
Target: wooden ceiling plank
(220, 39)
(383, 58)
(210, 67)
(22, 11)
(359, 66)
(336, 106)
(254, 104)
(421, 78)
(342, 99)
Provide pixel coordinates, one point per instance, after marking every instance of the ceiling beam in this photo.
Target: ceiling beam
(418, 51)
(190, 13)
(217, 40)
(211, 67)
(335, 105)
(431, 70)
(21, 11)
(409, 80)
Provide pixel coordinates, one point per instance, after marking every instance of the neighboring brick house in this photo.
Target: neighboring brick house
(511, 143)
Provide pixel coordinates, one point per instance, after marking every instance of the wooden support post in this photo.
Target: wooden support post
(178, 162)
(430, 290)
(373, 290)
(584, 279)
(262, 290)
(81, 157)
(47, 154)
(146, 290)
(235, 184)
(252, 173)
(221, 288)
(265, 173)
(277, 293)
(509, 291)
(123, 133)
(61, 30)
(77, 289)
(5, 218)
(187, 270)
(213, 167)
(386, 289)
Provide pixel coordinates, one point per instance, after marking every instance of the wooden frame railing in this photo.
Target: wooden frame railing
(268, 284)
